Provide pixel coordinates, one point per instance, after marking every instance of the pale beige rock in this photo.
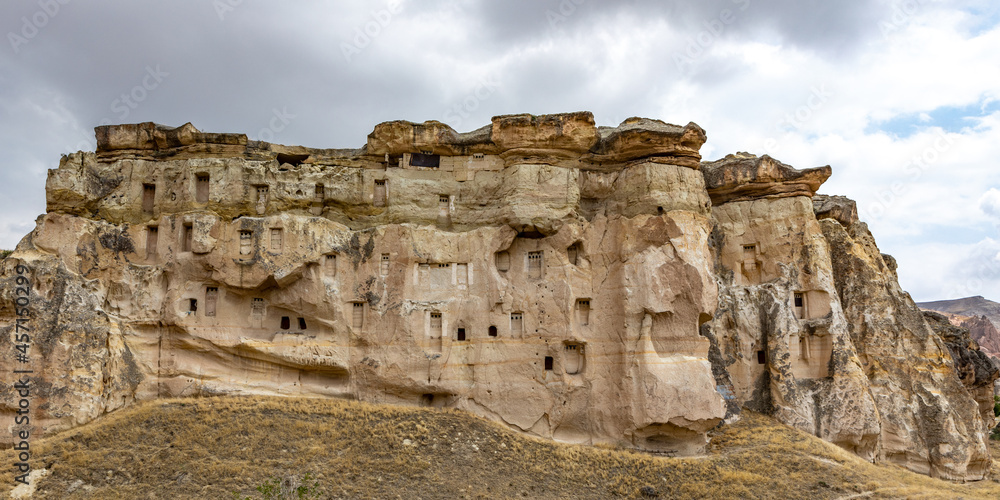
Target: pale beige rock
(781, 336)
(571, 282)
(930, 423)
(743, 176)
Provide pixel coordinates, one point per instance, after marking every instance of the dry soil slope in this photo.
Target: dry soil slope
(210, 448)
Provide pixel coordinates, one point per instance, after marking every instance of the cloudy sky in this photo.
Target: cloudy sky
(899, 96)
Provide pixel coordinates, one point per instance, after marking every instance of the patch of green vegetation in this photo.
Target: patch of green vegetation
(5, 253)
(288, 489)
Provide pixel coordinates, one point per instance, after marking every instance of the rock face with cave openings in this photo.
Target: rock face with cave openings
(580, 283)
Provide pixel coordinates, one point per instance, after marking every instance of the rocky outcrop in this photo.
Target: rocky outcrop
(744, 177)
(579, 283)
(929, 420)
(974, 367)
(839, 208)
(982, 330)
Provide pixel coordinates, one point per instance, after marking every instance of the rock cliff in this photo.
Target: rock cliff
(982, 330)
(580, 283)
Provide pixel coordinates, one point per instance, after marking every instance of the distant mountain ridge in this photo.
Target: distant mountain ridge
(980, 315)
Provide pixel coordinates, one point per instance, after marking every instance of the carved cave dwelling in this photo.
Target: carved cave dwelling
(580, 283)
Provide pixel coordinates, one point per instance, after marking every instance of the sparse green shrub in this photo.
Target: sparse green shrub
(5, 253)
(275, 488)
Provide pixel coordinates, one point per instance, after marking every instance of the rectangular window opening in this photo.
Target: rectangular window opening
(535, 264)
(573, 358)
(211, 299)
(285, 323)
(800, 305)
(246, 242)
(549, 361)
(193, 305)
(381, 196)
(152, 239)
(492, 331)
(503, 261)
(202, 183)
(761, 357)
(573, 253)
(358, 319)
(148, 197)
(257, 307)
(187, 237)
(277, 240)
(261, 201)
(436, 325)
(516, 322)
(583, 311)
(425, 159)
(460, 334)
(302, 323)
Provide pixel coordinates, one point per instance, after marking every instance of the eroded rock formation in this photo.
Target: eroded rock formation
(975, 369)
(581, 283)
(982, 330)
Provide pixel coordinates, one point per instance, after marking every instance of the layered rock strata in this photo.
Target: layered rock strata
(581, 283)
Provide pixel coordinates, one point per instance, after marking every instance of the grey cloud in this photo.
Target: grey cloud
(230, 74)
(819, 25)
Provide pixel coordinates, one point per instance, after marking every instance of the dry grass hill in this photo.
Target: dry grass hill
(227, 447)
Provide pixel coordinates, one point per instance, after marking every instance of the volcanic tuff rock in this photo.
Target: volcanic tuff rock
(982, 330)
(974, 367)
(585, 284)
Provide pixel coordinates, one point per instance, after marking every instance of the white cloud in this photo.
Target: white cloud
(802, 81)
(989, 203)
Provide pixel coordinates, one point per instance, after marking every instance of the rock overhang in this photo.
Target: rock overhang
(564, 135)
(744, 176)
